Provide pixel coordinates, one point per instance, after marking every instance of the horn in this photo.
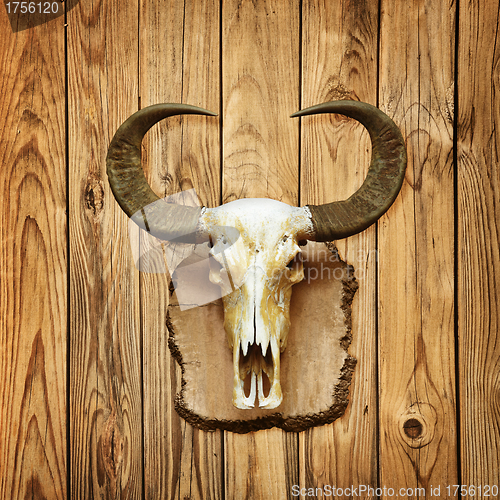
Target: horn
(126, 177)
(383, 182)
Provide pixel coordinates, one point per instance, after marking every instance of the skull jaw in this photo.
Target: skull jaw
(256, 371)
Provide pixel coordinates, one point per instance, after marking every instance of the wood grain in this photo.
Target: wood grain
(418, 440)
(33, 263)
(260, 84)
(478, 242)
(339, 61)
(125, 438)
(178, 64)
(105, 358)
(262, 464)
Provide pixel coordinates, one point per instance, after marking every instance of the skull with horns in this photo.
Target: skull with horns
(258, 263)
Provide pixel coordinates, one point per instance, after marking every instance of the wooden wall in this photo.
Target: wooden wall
(86, 377)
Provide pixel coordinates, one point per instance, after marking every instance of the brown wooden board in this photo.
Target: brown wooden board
(339, 61)
(105, 358)
(177, 64)
(33, 261)
(315, 366)
(478, 185)
(418, 440)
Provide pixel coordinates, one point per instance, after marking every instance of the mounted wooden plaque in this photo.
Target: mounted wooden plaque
(316, 368)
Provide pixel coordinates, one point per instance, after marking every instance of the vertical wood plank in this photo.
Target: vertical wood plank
(418, 445)
(339, 52)
(260, 73)
(479, 242)
(178, 64)
(33, 263)
(105, 358)
(261, 465)
(260, 67)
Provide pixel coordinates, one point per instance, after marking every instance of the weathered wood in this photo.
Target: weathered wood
(178, 64)
(418, 440)
(260, 88)
(478, 243)
(33, 263)
(105, 363)
(260, 84)
(320, 332)
(339, 54)
(123, 56)
(268, 461)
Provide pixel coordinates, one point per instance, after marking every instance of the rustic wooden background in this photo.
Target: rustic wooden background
(86, 378)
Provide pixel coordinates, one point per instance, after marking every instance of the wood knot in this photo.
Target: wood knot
(338, 91)
(111, 446)
(413, 428)
(94, 196)
(417, 425)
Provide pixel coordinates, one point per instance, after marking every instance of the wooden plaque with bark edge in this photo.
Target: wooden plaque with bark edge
(316, 368)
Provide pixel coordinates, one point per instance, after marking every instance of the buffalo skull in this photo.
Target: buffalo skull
(255, 242)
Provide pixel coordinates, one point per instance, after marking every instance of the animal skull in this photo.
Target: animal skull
(256, 272)
(255, 243)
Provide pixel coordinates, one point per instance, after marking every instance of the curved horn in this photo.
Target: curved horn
(128, 182)
(341, 219)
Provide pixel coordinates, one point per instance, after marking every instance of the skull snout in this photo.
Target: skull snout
(256, 350)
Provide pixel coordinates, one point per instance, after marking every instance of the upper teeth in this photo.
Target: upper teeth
(256, 370)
